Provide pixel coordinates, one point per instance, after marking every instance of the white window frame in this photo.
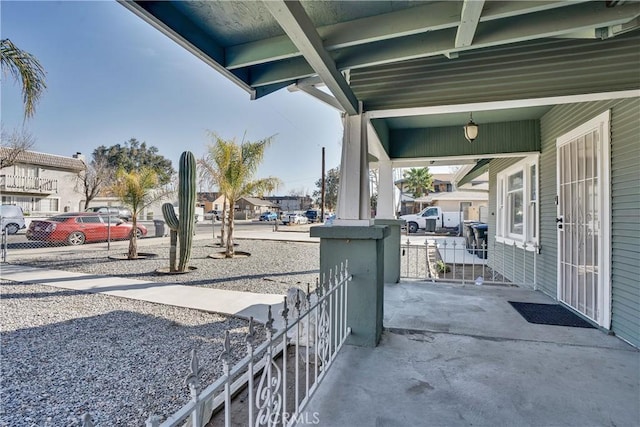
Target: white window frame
(531, 210)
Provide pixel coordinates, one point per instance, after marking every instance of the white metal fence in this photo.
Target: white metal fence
(278, 376)
(458, 260)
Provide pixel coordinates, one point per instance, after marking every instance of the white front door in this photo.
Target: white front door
(583, 219)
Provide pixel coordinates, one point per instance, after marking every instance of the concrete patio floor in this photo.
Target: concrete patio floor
(461, 355)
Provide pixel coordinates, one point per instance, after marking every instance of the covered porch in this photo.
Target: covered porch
(407, 77)
(461, 355)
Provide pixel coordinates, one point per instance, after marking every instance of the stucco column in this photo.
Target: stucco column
(363, 248)
(385, 215)
(354, 238)
(354, 208)
(385, 208)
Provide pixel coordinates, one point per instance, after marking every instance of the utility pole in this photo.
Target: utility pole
(322, 190)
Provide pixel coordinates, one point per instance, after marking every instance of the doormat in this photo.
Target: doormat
(549, 314)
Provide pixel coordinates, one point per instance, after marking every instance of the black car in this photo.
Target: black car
(312, 215)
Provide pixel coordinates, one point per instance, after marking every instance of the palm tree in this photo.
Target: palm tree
(233, 167)
(136, 189)
(418, 181)
(26, 68)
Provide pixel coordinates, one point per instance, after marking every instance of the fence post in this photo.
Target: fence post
(193, 381)
(250, 340)
(153, 421)
(285, 317)
(3, 245)
(86, 420)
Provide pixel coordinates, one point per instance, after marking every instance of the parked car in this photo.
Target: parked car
(11, 218)
(284, 217)
(298, 218)
(268, 216)
(118, 211)
(312, 215)
(81, 227)
(212, 214)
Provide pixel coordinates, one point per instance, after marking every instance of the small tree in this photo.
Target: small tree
(332, 183)
(133, 156)
(374, 183)
(418, 181)
(136, 190)
(233, 166)
(96, 175)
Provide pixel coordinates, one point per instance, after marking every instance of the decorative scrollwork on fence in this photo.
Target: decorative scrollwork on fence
(324, 324)
(268, 393)
(319, 323)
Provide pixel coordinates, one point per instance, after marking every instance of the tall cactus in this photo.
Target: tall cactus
(182, 228)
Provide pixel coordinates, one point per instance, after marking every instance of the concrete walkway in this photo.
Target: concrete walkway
(462, 356)
(241, 304)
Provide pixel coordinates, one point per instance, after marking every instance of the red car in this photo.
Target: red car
(78, 228)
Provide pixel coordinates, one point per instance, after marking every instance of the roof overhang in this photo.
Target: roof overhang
(417, 68)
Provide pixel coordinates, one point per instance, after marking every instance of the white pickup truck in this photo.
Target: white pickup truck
(438, 219)
(199, 212)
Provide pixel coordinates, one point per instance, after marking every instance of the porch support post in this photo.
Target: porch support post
(385, 209)
(353, 193)
(385, 215)
(353, 237)
(363, 247)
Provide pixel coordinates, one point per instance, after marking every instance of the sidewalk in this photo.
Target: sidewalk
(241, 304)
(235, 303)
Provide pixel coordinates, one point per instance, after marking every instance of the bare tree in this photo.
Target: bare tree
(13, 144)
(298, 192)
(96, 176)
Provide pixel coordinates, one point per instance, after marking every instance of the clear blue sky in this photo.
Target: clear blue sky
(112, 77)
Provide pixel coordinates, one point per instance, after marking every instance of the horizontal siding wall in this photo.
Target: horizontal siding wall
(507, 137)
(625, 193)
(625, 220)
(515, 264)
(624, 217)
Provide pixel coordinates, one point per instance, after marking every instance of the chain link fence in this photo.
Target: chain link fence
(79, 229)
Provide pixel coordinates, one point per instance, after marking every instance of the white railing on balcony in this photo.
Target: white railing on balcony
(28, 184)
(315, 330)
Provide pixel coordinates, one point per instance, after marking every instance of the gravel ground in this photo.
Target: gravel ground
(273, 267)
(65, 353)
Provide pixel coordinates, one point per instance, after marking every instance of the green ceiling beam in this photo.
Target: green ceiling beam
(294, 21)
(469, 19)
(401, 23)
(544, 24)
